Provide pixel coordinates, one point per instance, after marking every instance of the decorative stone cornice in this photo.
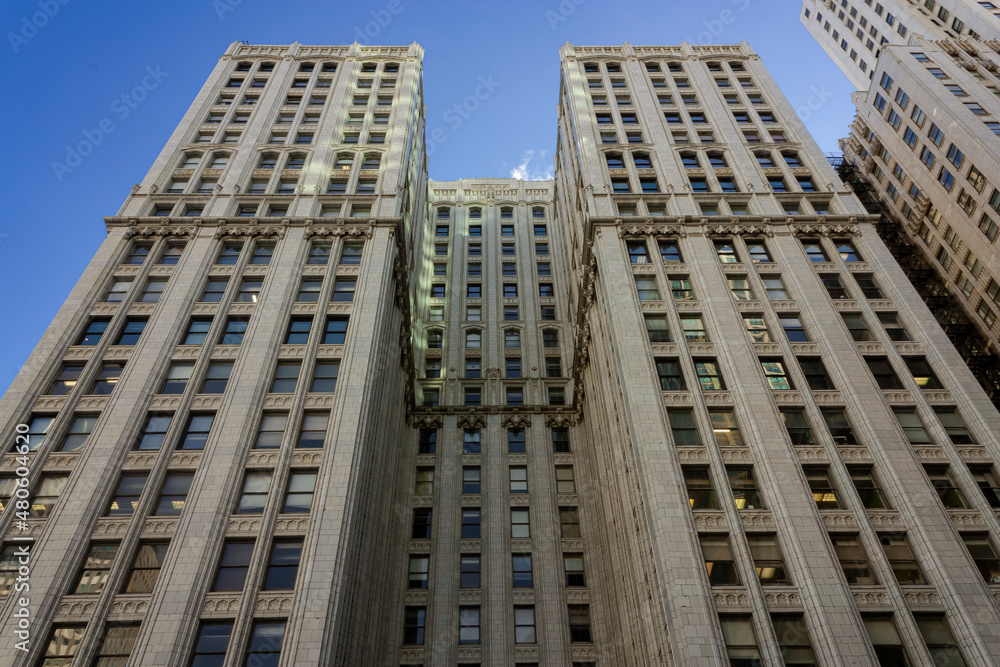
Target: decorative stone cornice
(472, 421)
(251, 231)
(515, 421)
(158, 231)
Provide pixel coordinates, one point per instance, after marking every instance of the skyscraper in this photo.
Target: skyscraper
(677, 406)
(923, 148)
(854, 33)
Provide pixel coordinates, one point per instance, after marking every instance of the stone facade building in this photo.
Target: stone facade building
(925, 146)
(854, 32)
(678, 405)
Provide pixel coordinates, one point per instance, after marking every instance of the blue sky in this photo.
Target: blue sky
(63, 80)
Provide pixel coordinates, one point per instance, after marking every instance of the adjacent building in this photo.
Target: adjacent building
(923, 148)
(679, 405)
(854, 32)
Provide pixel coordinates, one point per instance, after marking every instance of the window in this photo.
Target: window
(515, 395)
(336, 331)
(816, 376)
(740, 288)
(683, 428)
(512, 339)
(944, 483)
(883, 372)
(814, 250)
(579, 623)
(75, 437)
(767, 560)
(671, 377)
(419, 566)
(775, 289)
(299, 495)
(154, 289)
(518, 479)
(217, 378)
(524, 624)
(414, 621)
(63, 643)
(145, 568)
(680, 289)
(521, 565)
(283, 568)
(775, 374)
(741, 644)
(853, 560)
(265, 643)
(756, 328)
(196, 433)
(797, 426)
(249, 290)
(254, 494)
(868, 286)
(173, 494)
(343, 289)
(235, 330)
(793, 328)
(984, 555)
(92, 334)
(560, 440)
(154, 432)
(520, 527)
(709, 376)
(96, 568)
(637, 252)
(468, 625)
(569, 522)
(725, 428)
(821, 485)
(119, 288)
(325, 376)
(67, 379)
(313, 431)
(470, 523)
(718, 557)
(839, 426)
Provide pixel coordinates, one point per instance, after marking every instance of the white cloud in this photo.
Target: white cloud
(528, 168)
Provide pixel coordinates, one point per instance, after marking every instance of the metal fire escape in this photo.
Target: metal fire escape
(968, 339)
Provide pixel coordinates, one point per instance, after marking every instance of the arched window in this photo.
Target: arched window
(473, 339)
(219, 161)
(268, 161)
(637, 252)
(537, 212)
(434, 338)
(443, 212)
(512, 338)
(506, 212)
(717, 160)
(307, 67)
(591, 67)
(372, 161)
(641, 161)
(344, 161)
(243, 66)
(296, 161)
(690, 160)
(266, 67)
(614, 160)
(791, 158)
(190, 161)
(475, 213)
(764, 159)
(550, 338)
